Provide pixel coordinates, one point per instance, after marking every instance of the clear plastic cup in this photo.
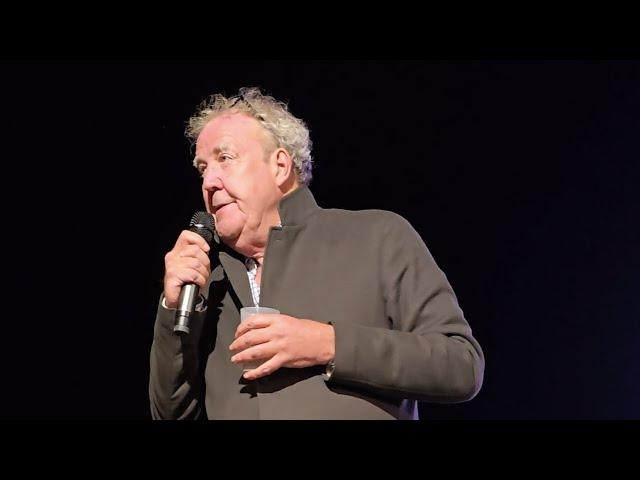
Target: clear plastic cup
(245, 313)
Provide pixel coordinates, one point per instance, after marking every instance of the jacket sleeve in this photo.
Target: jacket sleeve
(429, 354)
(175, 381)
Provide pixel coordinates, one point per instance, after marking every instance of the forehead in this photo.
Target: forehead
(231, 130)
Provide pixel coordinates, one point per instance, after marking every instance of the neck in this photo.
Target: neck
(255, 244)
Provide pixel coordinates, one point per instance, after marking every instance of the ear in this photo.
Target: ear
(282, 166)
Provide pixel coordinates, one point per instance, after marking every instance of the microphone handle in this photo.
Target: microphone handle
(186, 306)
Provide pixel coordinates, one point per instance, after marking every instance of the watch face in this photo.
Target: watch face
(329, 370)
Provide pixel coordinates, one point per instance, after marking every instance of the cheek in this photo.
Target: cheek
(233, 220)
(229, 221)
(206, 196)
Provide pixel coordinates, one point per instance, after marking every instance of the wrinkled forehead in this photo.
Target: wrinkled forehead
(232, 130)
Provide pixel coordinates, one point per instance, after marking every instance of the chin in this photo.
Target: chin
(227, 234)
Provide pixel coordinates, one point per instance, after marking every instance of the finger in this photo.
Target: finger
(196, 252)
(257, 352)
(250, 338)
(256, 321)
(191, 238)
(267, 368)
(194, 264)
(190, 275)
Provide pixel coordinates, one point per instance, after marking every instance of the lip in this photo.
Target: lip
(220, 207)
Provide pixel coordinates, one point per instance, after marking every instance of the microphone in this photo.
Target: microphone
(203, 224)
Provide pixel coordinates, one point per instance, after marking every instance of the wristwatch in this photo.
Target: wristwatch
(331, 366)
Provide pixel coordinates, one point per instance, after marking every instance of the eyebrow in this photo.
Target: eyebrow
(215, 151)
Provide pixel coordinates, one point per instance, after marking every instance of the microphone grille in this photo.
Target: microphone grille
(203, 224)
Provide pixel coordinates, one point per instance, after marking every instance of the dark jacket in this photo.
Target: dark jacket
(400, 334)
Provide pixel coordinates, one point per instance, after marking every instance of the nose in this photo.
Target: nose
(211, 180)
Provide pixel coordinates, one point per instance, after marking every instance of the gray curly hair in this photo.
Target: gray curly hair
(289, 132)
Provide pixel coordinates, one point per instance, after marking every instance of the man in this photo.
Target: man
(369, 325)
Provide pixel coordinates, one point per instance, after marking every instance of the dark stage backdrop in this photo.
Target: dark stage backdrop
(521, 177)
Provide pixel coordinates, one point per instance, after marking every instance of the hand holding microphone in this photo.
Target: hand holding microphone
(187, 269)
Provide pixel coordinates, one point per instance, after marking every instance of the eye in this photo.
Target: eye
(201, 168)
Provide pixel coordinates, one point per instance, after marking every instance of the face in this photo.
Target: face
(239, 182)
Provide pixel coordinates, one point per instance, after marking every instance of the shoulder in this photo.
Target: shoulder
(382, 221)
(372, 216)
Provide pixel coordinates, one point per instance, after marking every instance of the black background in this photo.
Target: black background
(520, 175)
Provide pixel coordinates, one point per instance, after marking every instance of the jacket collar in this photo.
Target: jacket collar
(296, 206)
(294, 209)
